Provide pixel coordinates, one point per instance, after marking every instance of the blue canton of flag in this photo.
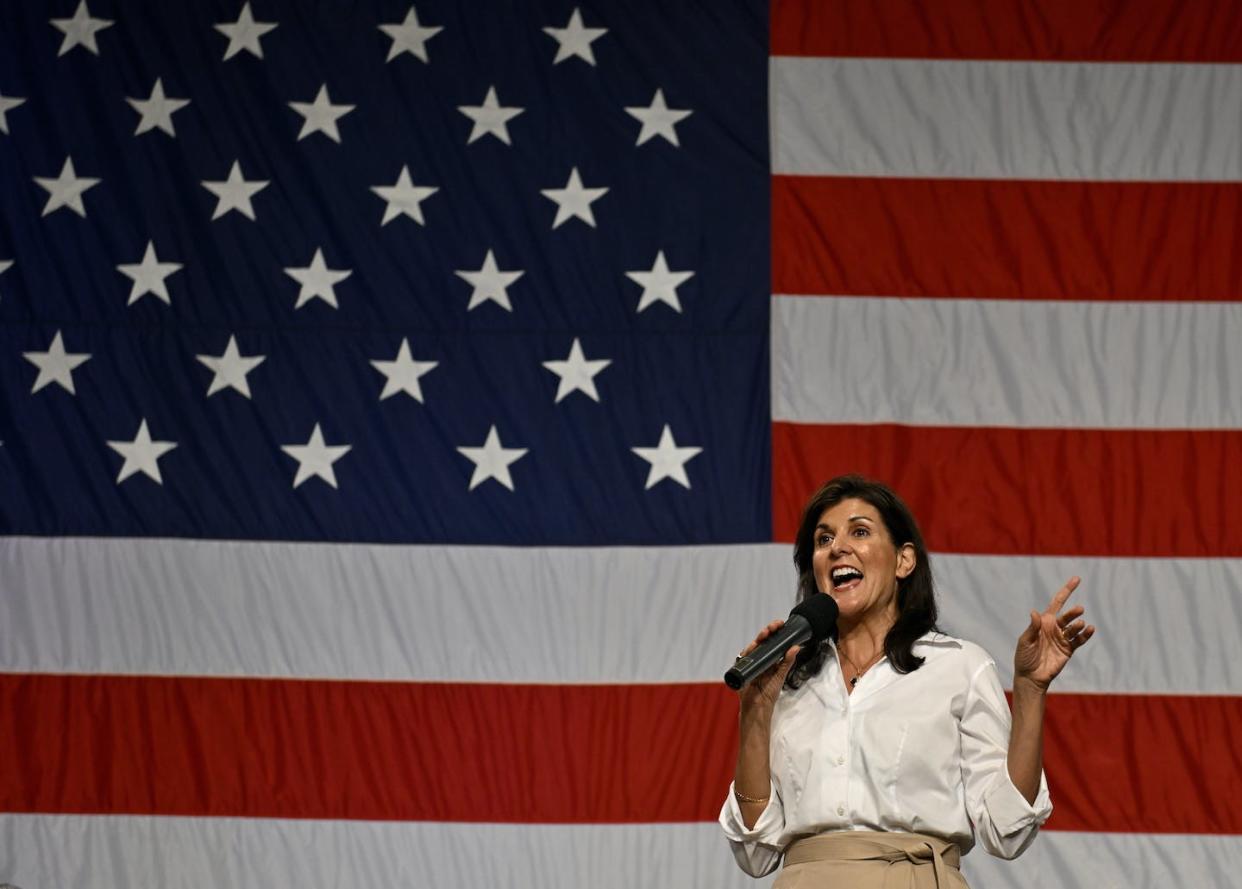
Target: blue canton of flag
(371, 271)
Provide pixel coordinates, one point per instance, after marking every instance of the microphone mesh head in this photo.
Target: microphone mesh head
(820, 612)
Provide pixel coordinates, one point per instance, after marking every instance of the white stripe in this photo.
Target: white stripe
(486, 614)
(999, 120)
(451, 613)
(122, 852)
(1166, 626)
(1113, 861)
(949, 362)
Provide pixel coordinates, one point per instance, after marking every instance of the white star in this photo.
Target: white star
(7, 104)
(667, 460)
(490, 118)
(576, 373)
(317, 280)
(5, 265)
(658, 119)
(244, 34)
(80, 30)
(404, 197)
(316, 458)
(574, 39)
(157, 111)
(141, 455)
(55, 365)
(148, 276)
(573, 200)
(403, 372)
(66, 190)
(409, 36)
(321, 115)
(492, 460)
(230, 369)
(489, 282)
(659, 284)
(235, 192)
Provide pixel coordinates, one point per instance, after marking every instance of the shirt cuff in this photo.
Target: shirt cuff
(1009, 809)
(735, 827)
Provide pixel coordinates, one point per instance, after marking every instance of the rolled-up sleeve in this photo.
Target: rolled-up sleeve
(1005, 823)
(757, 849)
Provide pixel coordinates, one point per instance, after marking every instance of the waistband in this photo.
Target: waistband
(869, 845)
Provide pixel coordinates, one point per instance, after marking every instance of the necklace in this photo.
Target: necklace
(858, 674)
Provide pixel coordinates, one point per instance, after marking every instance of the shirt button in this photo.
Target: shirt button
(840, 760)
(840, 810)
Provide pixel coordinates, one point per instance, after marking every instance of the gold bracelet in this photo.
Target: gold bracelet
(743, 798)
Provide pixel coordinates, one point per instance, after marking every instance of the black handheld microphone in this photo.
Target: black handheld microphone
(810, 623)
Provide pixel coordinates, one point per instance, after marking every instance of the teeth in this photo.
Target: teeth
(839, 573)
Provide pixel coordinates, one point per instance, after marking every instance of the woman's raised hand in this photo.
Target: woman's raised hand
(1051, 639)
(761, 694)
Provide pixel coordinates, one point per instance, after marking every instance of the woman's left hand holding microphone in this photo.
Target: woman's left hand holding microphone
(751, 779)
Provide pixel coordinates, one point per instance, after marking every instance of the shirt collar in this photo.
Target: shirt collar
(829, 685)
(937, 638)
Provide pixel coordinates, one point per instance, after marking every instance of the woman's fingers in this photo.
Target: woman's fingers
(768, 631)
(786, 664)
(1063, 594)
(1081, 639)
(1031, 634)
(1075, 612)
(763, 634)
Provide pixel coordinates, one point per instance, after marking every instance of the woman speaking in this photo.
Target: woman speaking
(878, 760)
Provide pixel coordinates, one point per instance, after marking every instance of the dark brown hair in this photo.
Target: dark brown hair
(916, 595)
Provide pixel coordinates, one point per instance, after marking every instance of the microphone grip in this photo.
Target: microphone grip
(769, 653)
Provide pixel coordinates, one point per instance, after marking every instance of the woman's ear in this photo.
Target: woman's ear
(906, 560)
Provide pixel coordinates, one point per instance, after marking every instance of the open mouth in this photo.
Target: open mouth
(845, 578)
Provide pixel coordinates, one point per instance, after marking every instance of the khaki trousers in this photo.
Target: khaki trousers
(864, 859)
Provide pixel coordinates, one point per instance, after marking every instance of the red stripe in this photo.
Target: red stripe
(1144, 763)
(1004, 239)
(1039, 30)
(1083, 492)
(647, 753)
(379, 751)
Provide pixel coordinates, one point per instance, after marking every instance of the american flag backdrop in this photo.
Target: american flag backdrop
(406, 412)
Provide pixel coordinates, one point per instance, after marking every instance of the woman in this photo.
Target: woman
(892, 748)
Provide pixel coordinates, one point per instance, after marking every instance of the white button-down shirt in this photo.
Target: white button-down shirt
(922, 752)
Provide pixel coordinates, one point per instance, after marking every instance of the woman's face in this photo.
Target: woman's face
(856, 562)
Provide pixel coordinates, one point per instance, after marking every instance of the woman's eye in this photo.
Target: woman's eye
(823, 539)
(860, 532)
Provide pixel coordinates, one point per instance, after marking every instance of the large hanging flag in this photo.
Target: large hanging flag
(406, 411)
